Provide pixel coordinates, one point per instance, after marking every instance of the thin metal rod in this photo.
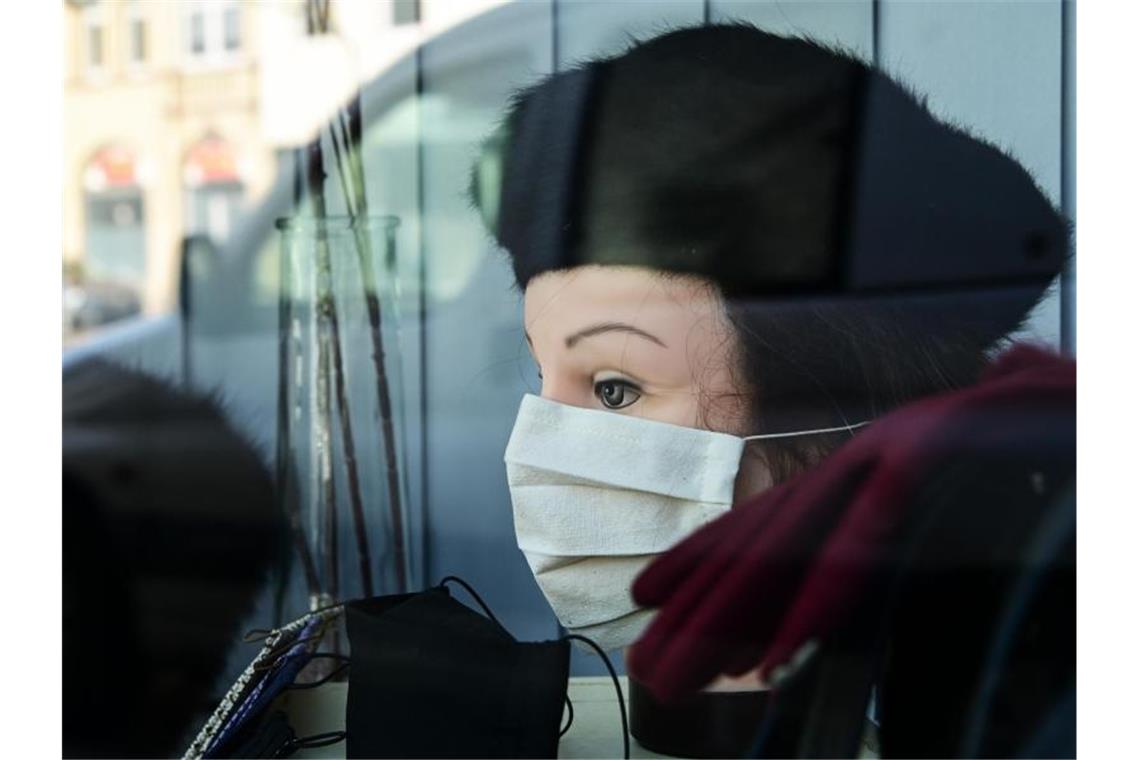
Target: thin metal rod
(375, 321)
(322, 286)
(876, 31)
(364, 552)
(348, 441)
(286, 493)
(421, 261)
(317, 18)
(1068, 166)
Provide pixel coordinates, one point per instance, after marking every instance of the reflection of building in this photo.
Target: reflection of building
(214, 187)
(174, 110)
(114, 212)
(162, 131)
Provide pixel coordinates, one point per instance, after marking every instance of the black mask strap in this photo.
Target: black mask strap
(598, 649)
(487, 611)
(274, 658)
(311, 742)
(254, 635)
(343, 659)
(467, 587)
(569, 717)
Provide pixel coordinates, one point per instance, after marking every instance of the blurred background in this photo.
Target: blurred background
(175, 111)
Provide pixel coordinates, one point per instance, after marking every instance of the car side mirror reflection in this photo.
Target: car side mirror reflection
(198, 262)
(198, 272)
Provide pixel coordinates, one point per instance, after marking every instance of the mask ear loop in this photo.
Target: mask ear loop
(253, 635)
(819, 431)
(475, 596)
(274, 656)
(617, 688)
(314, 741)
(479, 600)
(569, 717)
(261, 634)
(343, 659)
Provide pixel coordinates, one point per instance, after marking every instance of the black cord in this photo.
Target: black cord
(254, 635)
(474, 596)
(257, 634)
(341, 658)
(570, 718)
(617, 688)
(311, 742)
(275, 656)
(569, 704)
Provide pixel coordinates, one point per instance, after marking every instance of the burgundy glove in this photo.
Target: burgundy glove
(788, 566)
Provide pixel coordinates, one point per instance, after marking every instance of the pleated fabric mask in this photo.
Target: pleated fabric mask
(597, 495)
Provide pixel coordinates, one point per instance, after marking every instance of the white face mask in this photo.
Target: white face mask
(598, 495)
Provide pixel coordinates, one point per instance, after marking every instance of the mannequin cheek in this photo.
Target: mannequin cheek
(566, 390)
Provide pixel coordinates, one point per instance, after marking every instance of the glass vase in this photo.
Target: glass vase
(341, 456)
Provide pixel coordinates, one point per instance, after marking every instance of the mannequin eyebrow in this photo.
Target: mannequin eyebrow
(606, 327)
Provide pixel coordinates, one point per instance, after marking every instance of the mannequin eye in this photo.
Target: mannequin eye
(616, 394)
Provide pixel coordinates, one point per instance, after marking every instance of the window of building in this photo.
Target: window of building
(136, 28)
(197, 32)
(95, 46)
(405, 11)
(115, 240)
(214, 188)
(214, 33)
(94, 36)
(231, 21)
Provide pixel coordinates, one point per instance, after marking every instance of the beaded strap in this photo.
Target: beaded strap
(233, 696)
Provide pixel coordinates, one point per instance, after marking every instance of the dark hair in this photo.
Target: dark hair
(868, 253)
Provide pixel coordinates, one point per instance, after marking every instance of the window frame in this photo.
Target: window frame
(94, 22)
(401, 7)
(215, 51)
(138, 36)
(232, 10)
(195, 16)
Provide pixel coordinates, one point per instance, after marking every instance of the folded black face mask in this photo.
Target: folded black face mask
(430, 677)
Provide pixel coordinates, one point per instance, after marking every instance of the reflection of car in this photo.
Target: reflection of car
(98, 303)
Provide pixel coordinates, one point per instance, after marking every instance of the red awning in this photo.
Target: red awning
(112, 166)
(211, 160)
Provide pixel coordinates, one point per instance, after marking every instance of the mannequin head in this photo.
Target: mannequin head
(798, 235)
(633, 341)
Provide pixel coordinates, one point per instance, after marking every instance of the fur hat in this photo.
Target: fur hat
(775, 167)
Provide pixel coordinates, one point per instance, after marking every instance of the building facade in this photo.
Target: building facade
(161, 135)
(174, 111)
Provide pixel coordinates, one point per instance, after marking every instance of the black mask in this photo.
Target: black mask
(432, 678)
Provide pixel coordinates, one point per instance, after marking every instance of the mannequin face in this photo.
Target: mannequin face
(631, 341)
